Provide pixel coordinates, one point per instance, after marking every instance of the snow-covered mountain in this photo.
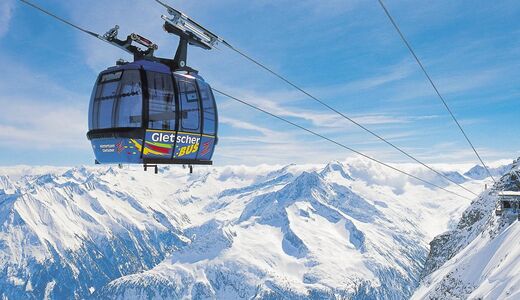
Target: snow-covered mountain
(343, 230)
(478, 172)
(480, 258)
(63, 235)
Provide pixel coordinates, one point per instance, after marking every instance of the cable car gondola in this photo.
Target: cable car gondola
(154, 110)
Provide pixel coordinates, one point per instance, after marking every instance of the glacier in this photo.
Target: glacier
(347, 229)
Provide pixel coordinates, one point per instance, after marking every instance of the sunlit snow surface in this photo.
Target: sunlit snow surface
(350, 229)
(480, 258)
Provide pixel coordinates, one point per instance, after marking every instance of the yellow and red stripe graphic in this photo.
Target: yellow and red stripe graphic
(153, 148)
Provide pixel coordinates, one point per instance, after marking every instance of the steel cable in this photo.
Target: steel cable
(336, 142)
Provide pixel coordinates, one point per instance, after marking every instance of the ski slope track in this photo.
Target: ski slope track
(344, 230)
(480, 258)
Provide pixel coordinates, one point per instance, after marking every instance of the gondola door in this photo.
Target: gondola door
(190, 121)
(160, 133)
(209, 123)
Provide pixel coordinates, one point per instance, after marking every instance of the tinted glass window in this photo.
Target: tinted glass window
(209, 109)
(108, 90)
(190, 113)
(111, 76)
(129, 101)
(105, 113)
(91, 108)
(117, 101)
(162, 101)
(104, 104)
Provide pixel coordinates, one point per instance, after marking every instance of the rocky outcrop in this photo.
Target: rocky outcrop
(463, 261)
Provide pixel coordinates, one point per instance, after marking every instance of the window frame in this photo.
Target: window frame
(174, 125)
(192, 81)
(211, 99)
(116, 78)
(97, 99)
(120, 96)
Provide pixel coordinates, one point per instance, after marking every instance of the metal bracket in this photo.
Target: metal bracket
(112, 33)
(190, 167)
(156, 168)
(197, 34)
(111, 37)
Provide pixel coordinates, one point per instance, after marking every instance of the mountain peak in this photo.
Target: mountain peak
(295, 232)
(476, 259)
(477, 172)
(6, 185)
(335, 167)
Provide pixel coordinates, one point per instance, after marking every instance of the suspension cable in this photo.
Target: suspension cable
(293, 85)
(346, 117)
(336, 142)
(408, 45)
(59, 18)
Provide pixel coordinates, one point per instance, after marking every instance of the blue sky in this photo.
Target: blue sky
(343, 51)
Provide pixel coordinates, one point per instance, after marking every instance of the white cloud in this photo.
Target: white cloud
(31, 125)
(318, 116)
(385, 76)
(246, 125)
(6, 13)
(272, 146)
(32, 119)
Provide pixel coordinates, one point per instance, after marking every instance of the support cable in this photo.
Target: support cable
(291, 84)
(347, 117)
(336, 142)
(403, 38)
(60, 19)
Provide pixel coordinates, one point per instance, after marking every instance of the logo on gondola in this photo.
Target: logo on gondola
(205, 149)
(153, 148)
(119, 146)
(161, 143)
(186, 144)
(187, 150)
(158, 149)
(162, 137)
(107, 148)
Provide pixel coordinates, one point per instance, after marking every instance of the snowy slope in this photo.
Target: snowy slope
(479, 172)
(340, 230)
(480, 259)
(64, 235)
(322, 234)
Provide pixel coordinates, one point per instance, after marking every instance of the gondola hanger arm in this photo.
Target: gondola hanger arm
(110, 36)
(197, 34)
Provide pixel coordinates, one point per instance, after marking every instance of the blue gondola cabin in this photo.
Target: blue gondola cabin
(143, 113)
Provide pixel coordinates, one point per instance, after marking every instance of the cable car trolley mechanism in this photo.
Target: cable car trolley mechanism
(508, 201)
(155, 110)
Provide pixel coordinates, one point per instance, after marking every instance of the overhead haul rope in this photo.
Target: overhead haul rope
(292, 123)
(403, 38)
(346, 117)
(336, 142)
(63, 20)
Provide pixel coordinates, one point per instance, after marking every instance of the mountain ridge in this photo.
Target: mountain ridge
(475, 259)
(221, 232)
